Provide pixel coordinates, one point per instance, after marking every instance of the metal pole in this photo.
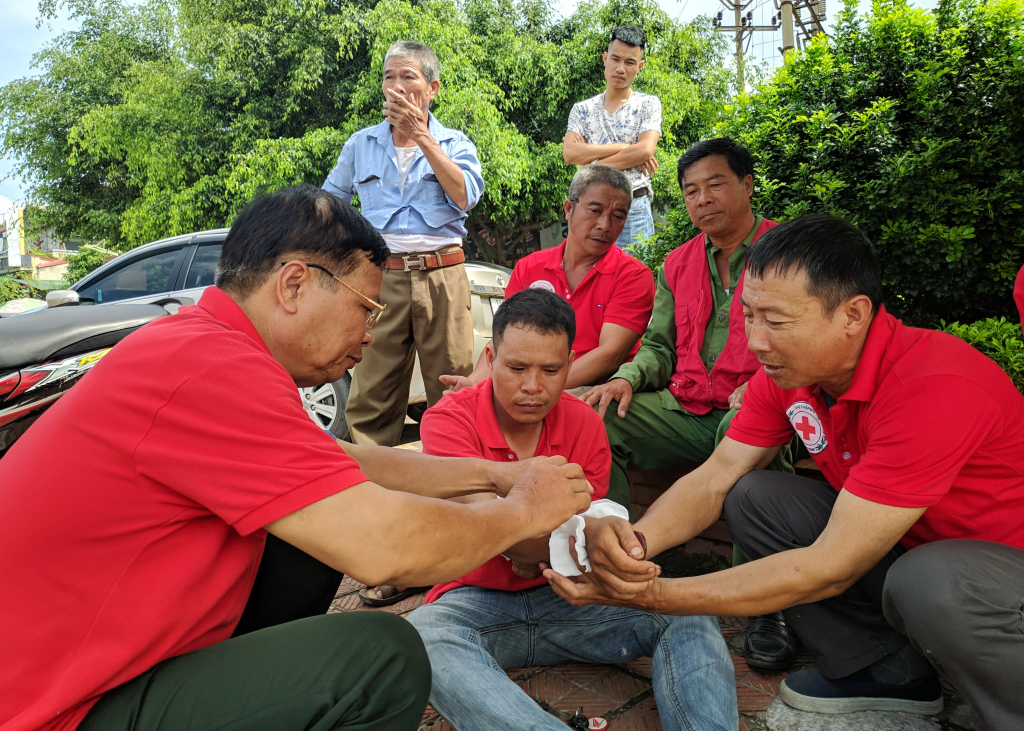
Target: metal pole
(787, 26)
(738, 8)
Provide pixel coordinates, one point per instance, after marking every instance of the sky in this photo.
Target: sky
(21, 39)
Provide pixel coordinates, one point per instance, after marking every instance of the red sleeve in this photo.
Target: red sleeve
(919, 439)
(447, 433)
(1018, 293)
(762, 419)
(633, 301)
(590, 450)
(515, 282)
(235, 440)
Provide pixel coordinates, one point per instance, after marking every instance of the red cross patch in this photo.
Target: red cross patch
(808, 426)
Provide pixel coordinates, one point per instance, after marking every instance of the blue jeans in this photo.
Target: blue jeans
(640, 221)
(472, 635)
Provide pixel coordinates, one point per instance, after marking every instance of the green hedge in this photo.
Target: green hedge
(1000, 340)
(908, 123)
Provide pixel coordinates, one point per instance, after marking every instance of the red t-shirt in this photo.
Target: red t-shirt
(131, 513)
(619, 289)
(928, 422)
(464, 424)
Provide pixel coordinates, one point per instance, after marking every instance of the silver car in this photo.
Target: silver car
(181, 267)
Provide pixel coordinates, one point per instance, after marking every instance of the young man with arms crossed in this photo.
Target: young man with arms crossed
(503, 615)
(141, 589)
(611, 293)
(620, 128)
(910, 560)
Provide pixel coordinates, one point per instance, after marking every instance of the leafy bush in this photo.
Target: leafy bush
(12, 289)
(9, 289)
(161, 117)
(81, 264)
(1000, 340)
(907, 122)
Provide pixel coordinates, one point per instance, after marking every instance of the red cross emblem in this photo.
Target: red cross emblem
(807, 424)
(805, 427)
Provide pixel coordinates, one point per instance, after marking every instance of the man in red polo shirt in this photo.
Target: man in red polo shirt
(611, 293)
(135, 512)
(912, 554)
(503, 615)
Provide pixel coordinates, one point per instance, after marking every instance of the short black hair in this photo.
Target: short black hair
(839, 259)
(537, 309)
(736, 155)
(631, 35)
(303, 220)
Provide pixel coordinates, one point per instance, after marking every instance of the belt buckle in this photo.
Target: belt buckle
(420, 261)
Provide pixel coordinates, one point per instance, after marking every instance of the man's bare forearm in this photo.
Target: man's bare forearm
(681, 513)
(784, 580)
(595, 366)
(422, 474)
(379, 536)
(448, 173)
(582, 153)
(629, 158)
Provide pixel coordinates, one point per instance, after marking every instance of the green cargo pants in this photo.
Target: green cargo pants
(353, 671)
(658, 434)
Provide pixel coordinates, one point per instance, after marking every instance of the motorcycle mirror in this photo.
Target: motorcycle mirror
(59, 297)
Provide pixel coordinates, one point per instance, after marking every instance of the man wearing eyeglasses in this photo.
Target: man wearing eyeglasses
(170, 566)
(416, 180)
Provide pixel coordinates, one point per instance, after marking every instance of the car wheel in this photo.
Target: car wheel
(326, 405)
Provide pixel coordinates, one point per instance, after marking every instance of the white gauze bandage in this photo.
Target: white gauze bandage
(558, 544)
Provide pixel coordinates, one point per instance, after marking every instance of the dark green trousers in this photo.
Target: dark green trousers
(657, 434)
(356, 671)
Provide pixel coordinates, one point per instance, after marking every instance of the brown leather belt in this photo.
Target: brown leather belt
(430, 260)
(639, 192)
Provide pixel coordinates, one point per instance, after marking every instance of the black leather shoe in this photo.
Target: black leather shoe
(770, 644)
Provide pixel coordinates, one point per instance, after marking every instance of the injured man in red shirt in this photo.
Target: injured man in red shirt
(504, 614)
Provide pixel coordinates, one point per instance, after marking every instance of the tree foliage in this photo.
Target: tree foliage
(999, 340)
(161, 117)
(907, 122)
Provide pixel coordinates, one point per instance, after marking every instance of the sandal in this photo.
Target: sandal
(388, 594)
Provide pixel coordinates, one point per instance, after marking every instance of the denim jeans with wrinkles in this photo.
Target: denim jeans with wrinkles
(640, 221)
(473, 635)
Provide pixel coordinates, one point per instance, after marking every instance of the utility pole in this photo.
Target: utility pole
(790, 11)
(744, 28)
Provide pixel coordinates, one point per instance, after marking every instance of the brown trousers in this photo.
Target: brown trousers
(429, 313)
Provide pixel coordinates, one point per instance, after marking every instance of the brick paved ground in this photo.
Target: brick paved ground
(620, 693)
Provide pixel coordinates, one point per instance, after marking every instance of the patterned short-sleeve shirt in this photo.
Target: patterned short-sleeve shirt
(640, 113)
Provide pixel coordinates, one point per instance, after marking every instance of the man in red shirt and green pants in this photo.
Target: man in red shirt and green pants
(910, 559)
(674, 397)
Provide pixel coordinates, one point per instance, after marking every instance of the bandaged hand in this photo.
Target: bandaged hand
(619, 575)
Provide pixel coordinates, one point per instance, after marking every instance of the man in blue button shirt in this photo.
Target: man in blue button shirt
(415, 180)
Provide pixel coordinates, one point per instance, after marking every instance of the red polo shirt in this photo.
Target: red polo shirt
(464, 424)
(132, 512)
(928, 422)
(618, 289)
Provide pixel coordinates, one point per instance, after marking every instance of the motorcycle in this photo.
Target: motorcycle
(46, 352)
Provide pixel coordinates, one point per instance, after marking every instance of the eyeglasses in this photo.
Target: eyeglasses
(378, 308)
